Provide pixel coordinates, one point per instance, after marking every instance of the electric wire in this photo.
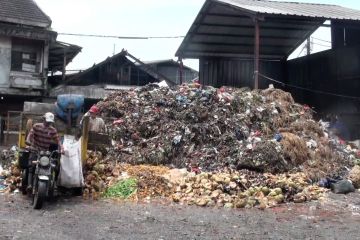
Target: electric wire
(309, 90)
(120, 37)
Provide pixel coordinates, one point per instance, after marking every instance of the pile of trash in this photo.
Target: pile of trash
(10, 179)
(245, 189)
(103, 172)
(7, 156)
(226, 147)
(10, 174)
(231, 189)
(212, 129)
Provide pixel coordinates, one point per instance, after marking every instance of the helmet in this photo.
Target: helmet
(94, 109)
(49, 117)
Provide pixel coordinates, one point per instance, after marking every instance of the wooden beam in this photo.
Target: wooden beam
(240, 44)
(30, 33)
(247, 36)
(196, 54)
(297, 28)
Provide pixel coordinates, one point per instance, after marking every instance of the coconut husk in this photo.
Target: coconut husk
(354, 176)
(294, 149)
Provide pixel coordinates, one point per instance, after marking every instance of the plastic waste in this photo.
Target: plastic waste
(343, 187)
(278, 137)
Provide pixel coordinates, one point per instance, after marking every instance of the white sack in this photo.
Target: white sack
(71, 174)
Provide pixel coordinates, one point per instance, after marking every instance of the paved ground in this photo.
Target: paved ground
(75, 218)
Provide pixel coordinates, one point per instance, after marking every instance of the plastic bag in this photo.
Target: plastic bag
(71, 174)
(342, 187)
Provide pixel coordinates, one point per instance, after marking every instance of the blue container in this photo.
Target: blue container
(69, 101)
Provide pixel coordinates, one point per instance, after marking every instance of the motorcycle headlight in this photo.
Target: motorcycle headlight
(44, 161)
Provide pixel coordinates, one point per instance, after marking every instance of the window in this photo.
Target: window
(26, 55)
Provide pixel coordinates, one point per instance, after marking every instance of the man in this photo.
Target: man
(96, 124)
(41, 137)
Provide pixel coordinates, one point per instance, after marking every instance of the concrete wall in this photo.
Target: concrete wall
(12, 80)
(5, 61)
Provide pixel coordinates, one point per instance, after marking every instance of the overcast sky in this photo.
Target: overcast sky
(134, 18)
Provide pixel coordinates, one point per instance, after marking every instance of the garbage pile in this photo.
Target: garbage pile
(103, 172)
(239, 148)
(7, 156)
(9, 172)
(230, 189)
(212, 129)
(10, 179)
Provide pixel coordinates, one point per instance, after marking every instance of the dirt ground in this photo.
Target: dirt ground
(75, 218)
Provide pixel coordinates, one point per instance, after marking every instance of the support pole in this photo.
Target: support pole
(64, 67)
(256, 54)
(7, 128)
(181, 71)
(84, 139)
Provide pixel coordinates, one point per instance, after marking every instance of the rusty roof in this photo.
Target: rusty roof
(25, 12)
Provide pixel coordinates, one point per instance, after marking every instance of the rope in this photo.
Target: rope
(309, 90)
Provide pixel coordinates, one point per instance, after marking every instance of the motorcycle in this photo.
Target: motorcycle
(44, 168)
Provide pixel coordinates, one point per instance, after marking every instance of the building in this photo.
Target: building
(28, 52)
(121, 71)
(173, 70)
(247, 43)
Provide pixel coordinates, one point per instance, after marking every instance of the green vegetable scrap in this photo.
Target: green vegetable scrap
(122, 189)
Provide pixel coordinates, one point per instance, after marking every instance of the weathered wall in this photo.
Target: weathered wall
(5, 61)
(219, 72)
(334, 71)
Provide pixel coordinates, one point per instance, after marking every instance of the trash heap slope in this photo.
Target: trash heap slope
(213, 129)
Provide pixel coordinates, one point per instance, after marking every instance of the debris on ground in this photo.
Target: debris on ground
(354, 176)
(7, 157)
(342, 187)
(102, 173)
(231, 189)
(245, 189)
(123, 189)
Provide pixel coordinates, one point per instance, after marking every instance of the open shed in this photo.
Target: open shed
(246, 43)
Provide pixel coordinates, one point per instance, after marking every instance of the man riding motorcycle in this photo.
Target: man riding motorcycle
(41, 137)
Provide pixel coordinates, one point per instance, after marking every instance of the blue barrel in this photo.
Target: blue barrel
(66, 102)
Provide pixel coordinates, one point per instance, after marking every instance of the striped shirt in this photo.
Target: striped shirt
(41, 136)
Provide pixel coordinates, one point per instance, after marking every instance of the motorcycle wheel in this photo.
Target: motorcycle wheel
(39, 196)
(24, 183)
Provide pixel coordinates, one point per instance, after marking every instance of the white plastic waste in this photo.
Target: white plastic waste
(71, 174)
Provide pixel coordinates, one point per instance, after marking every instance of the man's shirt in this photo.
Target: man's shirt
(42, 137)
(96, 125)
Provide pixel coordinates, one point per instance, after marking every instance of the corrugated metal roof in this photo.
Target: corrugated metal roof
(225, 28)
(25, 12)
(56, 54)
(296, 9)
